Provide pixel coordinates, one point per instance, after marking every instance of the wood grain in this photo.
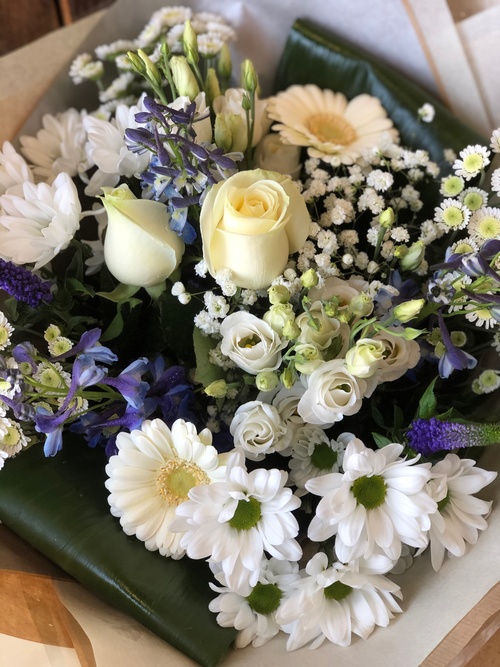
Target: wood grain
(22, 21)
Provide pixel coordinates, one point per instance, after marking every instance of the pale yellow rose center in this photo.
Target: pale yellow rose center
(256, 203)
(333, 129)
(176, 478)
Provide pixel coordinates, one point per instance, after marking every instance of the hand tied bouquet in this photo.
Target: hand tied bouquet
(276, 395)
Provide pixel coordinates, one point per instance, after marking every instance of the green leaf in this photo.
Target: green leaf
(59, 505)
(428, 403)
(377, 415)
(76, 287)
(120, 293)
(381, 440)
(115, 328)
(206, 372)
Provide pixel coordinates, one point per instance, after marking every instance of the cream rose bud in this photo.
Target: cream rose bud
(331, 394)
(250, 224)
(272, 154)
(251, 343)
(258, 429)
(139, 247)
(231, 104)
(400, 355)
(363, 359)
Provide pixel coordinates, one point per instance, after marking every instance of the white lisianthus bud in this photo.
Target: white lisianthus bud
(361, 305)
(307, 358)
(231, 104)
(387, 217)
(266, 381)
(278, 294)
(224, 65)
(404, 312)
(184, 79)
(278, 315)
(216, 389)
(309, 279)
(139, 247)
(413, 257)
(362, 360)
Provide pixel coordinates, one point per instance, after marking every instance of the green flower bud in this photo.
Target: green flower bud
(404, 312)
(361, 305)
(307, 358)
(288, 377)
(212, 87)
(266, 381)
(387, 218)
(331, 307)
(458, 338)
(291, 330)
(413, 257)
(190, 44)
(309, 279)
(184, 79)
(230, 132)
(278, 315)
(411, 334)
(224, 64)
(278, 294)
(249, 79)
(217, 389)
(136, 63)
(152, 72)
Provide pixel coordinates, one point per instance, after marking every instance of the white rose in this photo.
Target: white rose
(250, 224)
(139, 247)
(400, 355)
(364, 358)
(258, 430)
(272, 154)
(251, 343)
(332, 393)
(230, 107)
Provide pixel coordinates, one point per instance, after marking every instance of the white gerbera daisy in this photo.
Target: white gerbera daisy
(484, 224)
(14, 170)
(460, 515)
(314, 454)
(473, 160)
(452, 213)
(58, 146)
(151, 475)
(332, 602)
(379, 502)
(254, 615)
(333, 129)
(234, 522)
(35, 227)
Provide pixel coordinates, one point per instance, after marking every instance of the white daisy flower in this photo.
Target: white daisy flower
(14, 171)
(12, 438)
(452, 213)
(473, 160)
(464, 246)
(460, 515)
(59, 345)
(151, 476)
(36, 226)
(51, 376)
(314, 454)
(3, 457)
(333, 602)
(495, 141)
(484, 224)
(84, 68)
(332, 128)
(6, 331)
(234, 522)
(452, 186)
(473, 198)
(488, 381)
(58, 146)
(376, 504)
(480, 316)
(254, 615)
(110, 51)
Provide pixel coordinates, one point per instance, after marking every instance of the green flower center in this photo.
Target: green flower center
(323, 456)
(249, 341)
(463, 248)
(442, 503)
(489, 227)
(60, 346)
(12, 437)
(337, 591)
(4, 336)
(453, 216)
(453, 185)
(265, 598)
(176, 478)
(369, 491)
(247, 514)
(473, 201)
(473, 163)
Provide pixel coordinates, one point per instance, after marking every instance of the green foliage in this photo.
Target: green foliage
(206, 372)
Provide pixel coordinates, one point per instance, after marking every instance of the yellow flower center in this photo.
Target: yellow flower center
(4, 336)
(11, 437)
(332, 129)
(176, 478)
(489, 227)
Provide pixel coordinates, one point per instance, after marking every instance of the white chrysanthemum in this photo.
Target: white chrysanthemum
(34, 228)
(332, 602)
(460, 515)
(151, 476)
(495, 141)
(332, 128)
(110, 51)
(452, 213)
(83, 68)
(488, 381)
(3, 456)
(108, 150)
(480, 316)
(314, 454)
(14, 170)
(58, 146)
(6, 331)
(376, 504)
(51, 376)
(473, 160)
(473, 198)
(234, 522)
(254, 615)
(12, 438)
(484, 224)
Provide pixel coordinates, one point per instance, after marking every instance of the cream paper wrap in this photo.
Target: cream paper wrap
(434, 603)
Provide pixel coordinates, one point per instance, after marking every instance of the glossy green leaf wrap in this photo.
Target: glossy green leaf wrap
(59, 505)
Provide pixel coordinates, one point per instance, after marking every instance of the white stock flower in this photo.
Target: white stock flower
(14, 170)
(251, 343)
(258, 430)
(36, 226)
(331, 394)
(58, 146)
(151, 475)
(400, 355)
(378, 502)
(332, 602)
(234, 522)
(459, 516)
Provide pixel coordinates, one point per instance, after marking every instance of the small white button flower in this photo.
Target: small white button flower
(473, 160)
(427, 112)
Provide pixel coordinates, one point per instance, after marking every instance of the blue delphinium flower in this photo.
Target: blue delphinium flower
(89, 345)
(24, 285)
(430, 436)
(453, 358)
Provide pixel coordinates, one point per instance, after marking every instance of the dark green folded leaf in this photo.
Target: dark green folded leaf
(59, 505)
